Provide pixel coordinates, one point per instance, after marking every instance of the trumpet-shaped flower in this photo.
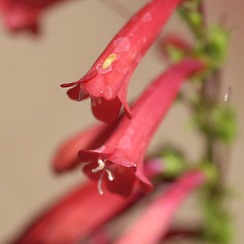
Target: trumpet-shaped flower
(24, 15)
(154, 223)
(74, 217)
(120, 160)
(107, 80)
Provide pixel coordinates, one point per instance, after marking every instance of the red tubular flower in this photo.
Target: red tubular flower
(77, 215)
(107, 80)
(24, 15)
(121, 157)
(154, 223)
(81, 213)
(66, 156)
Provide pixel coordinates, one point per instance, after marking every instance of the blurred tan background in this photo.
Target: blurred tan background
(36, 114)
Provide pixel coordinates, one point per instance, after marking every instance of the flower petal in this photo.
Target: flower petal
(153, 224)
(77, 215)
(106, 110)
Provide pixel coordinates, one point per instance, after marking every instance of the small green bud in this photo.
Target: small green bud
(174, 163)
(195, 19)
(175, 54)
(216, 45)
(211, 172)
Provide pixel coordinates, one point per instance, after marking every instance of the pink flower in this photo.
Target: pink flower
(107, 80)
(154, 223)
(24, 15)
(120, 160)
(75, 217)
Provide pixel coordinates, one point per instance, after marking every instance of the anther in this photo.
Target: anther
(100, 166)
(110, 175)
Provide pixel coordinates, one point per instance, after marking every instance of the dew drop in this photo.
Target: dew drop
(104, 71)
(108, 92)
(98, 67)
(122, 44)
(147, 17)
(123, 69)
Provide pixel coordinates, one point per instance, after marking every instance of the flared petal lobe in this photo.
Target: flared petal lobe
(125, 149)
(109, 76)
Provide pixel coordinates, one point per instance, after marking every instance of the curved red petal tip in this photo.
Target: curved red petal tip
(106, 110)
(77, 93)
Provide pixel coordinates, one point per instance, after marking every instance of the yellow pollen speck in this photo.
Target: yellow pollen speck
(109, 60)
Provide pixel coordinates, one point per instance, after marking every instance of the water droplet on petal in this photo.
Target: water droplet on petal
(125, 142)
(123, 69)
(98, 67)
(108, 92)
(147, 17)
(104, 71)
(122, 44)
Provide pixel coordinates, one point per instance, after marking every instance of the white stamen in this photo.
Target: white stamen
(100, 166)
(110, 175)
(99, 184)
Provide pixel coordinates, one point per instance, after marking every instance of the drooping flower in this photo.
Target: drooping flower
(76, 216)
(120, 160)
(153, 225)
(107, 80)
(23, 15)
(81, 213)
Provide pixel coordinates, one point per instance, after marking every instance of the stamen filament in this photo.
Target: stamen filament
(99, 184)
(100, 166)
(110, 175)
